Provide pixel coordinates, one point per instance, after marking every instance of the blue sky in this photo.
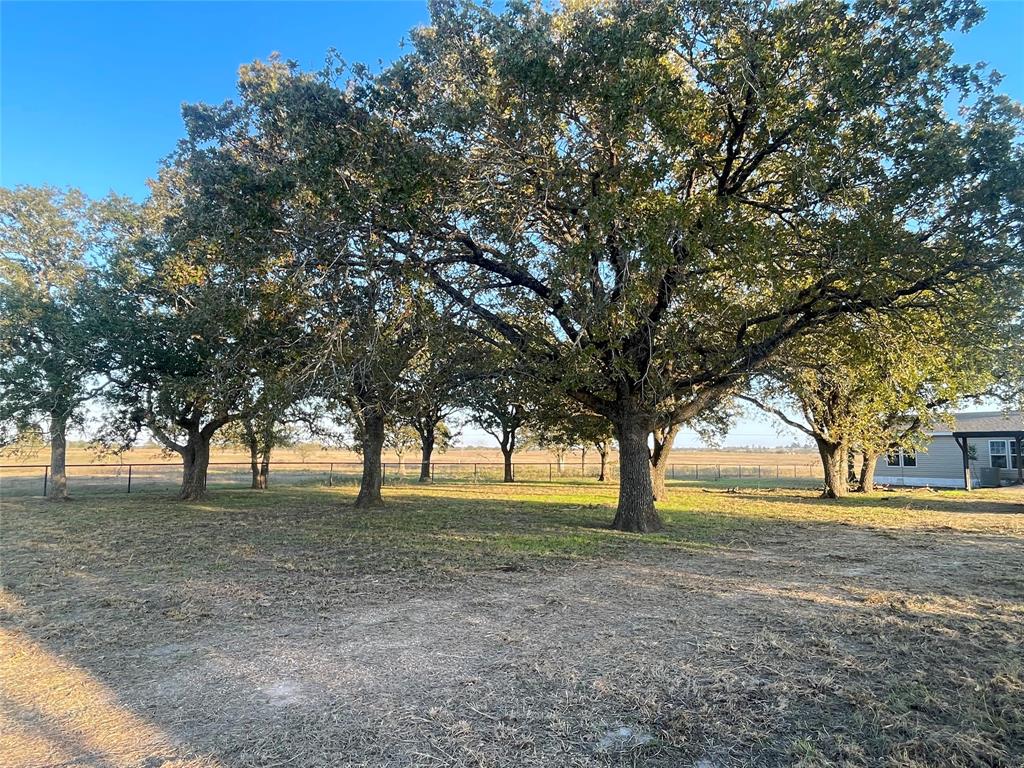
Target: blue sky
(90, 92)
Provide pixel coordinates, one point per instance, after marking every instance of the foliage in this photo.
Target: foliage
(53, 342)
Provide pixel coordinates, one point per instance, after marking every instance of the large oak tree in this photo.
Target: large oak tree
(647, 200)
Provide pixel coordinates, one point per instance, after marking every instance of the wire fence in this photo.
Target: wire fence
(34, 479)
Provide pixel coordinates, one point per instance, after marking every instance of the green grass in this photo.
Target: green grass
(470, 527)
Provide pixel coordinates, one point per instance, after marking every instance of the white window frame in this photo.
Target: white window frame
(1004, 454)
(897, 457)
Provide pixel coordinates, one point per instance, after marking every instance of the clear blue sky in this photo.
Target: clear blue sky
(90, 92)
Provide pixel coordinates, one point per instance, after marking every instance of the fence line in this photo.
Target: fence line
(17, 479)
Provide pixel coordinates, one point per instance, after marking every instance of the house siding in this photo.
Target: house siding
(941, 465)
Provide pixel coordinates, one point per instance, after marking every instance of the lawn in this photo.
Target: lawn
(505, 626)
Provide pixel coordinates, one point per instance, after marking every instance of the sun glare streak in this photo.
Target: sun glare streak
(54, 713)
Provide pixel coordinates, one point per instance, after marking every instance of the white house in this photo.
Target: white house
(980, 450)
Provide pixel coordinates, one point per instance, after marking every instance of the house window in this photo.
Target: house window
(997, 454)
(1002, 453)
(895, 455)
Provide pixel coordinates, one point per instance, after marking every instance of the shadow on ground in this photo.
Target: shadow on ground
(457, 629)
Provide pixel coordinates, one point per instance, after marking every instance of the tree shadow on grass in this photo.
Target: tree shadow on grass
(711, 623)
(956, 502)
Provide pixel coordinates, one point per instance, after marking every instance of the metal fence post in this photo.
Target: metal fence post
(431, 471)
(696, 471)
(476, 478)
(129, 478)
(383, 472)
(718, 467)
(330, 476)
(549, 472)
(46, 478)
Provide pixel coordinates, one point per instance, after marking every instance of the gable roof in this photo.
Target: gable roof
(982, 422)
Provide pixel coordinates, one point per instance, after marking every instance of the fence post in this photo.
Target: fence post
(696, 471)
(740, 469)
(718, 467)
(549, 472)
(431, 471)
(129, 478)
(758, 471)
(513, 471)
(383, 472)
(476, 479)
(672, 470)
(330, 476)
(46, 478)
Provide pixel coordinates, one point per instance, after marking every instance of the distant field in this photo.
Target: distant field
(312, 454)
(152, 470)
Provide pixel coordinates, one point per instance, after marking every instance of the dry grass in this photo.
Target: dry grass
(457, 628)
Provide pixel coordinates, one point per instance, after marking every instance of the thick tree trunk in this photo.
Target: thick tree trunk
(833, 461)
(195, 466)
(604, 466)
(636, 512)
(507, 454)
(264, 478)
(57, 490)
(867, 472)
(426, 454)
(663, 440)
(373, 446)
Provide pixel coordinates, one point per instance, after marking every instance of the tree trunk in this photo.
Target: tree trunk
(373, 445)
(833, 461)
(560, 462)
(507, 454)
(663, 441)
(867, 472)
(636, 512)
(264, 479)
(254, 456)
(58, 487)
(426, 453)
(604, 466)
(195, 466)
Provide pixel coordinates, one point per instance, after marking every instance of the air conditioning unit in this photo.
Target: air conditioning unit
(989, 477)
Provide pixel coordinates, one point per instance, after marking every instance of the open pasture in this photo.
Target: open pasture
(463, 627)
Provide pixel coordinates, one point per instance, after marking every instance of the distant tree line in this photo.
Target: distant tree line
(597, 223)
